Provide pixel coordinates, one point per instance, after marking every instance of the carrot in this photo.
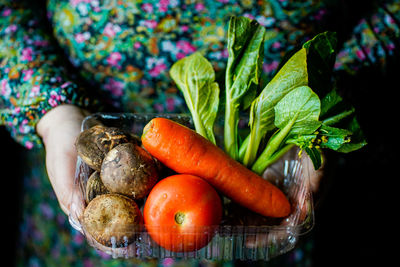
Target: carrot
(185, 151)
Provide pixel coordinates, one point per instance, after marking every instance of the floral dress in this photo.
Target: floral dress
(114, 55)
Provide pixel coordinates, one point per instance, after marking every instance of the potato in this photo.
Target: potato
(112, 220)
(94, 143)
(94, 187)
(130, 170)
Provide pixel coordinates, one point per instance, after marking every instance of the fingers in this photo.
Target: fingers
(76, 208)
(60, 168)
(59, 129)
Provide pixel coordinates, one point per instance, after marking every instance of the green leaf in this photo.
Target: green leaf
(302, 104)
(194, 76)
(327, 137)
(293, 74)
(334, 109)
(312, 66)
(357, 139)
(321, 55)
(333, 138)
(296, 114)
(315, 156)
(330, 101)
(338, 113)
(246, 53)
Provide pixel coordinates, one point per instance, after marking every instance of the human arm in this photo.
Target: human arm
(36, 87)
(33, 79)
(58, 130)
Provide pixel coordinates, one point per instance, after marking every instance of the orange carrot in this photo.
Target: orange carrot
(185, 151)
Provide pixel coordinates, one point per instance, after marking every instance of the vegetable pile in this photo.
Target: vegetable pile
(123, 173)
(179, 212)
(299, 107)
(187, 152)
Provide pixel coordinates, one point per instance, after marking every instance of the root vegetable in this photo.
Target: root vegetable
(112, 220)
(94, 187)
(130, 170)
(187, 152)
(94, 143)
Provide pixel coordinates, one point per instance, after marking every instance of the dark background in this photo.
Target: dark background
(355, 221)
(11, 166)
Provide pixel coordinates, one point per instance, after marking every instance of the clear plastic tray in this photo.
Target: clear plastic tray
(246, 237)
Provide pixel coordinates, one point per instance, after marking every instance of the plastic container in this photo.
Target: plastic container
(232, 239)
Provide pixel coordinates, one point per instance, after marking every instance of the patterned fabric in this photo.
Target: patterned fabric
(30, 83)
(128, 54)
(124, 50)
(374, 40)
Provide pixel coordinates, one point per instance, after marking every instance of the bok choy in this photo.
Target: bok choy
(299, 107)
(246, 53)
(194, 76)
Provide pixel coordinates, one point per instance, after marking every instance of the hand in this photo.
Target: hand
(59, 129)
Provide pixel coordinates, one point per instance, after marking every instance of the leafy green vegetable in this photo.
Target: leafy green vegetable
(194, 76)
(321, 55)
(334, 109)
(246, 52)
(315, 155)
(357, 139)
(332, 138)
(335, 112)
(293, 74)
(302, 107)
(311, 65)
(327, 137)
(296, 114)
(299, 107)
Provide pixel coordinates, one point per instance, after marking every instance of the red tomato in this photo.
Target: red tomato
(181, 213)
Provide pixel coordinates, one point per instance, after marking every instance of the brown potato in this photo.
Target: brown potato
(94, 187)
(130, 170)
(94, 143)
(112, 220)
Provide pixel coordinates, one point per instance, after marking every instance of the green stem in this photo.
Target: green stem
(252, 148)
(334, 119)
(257, 133)
(243, 148)
(230, 130)
(277, 155)
(180, 218)
(273, 145)
(199, 126)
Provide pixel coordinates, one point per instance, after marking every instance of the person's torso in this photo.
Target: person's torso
(126, 48)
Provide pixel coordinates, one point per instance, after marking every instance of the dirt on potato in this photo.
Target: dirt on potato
(94, 143)
(112, 220)
(94, 187)
(130, 170)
